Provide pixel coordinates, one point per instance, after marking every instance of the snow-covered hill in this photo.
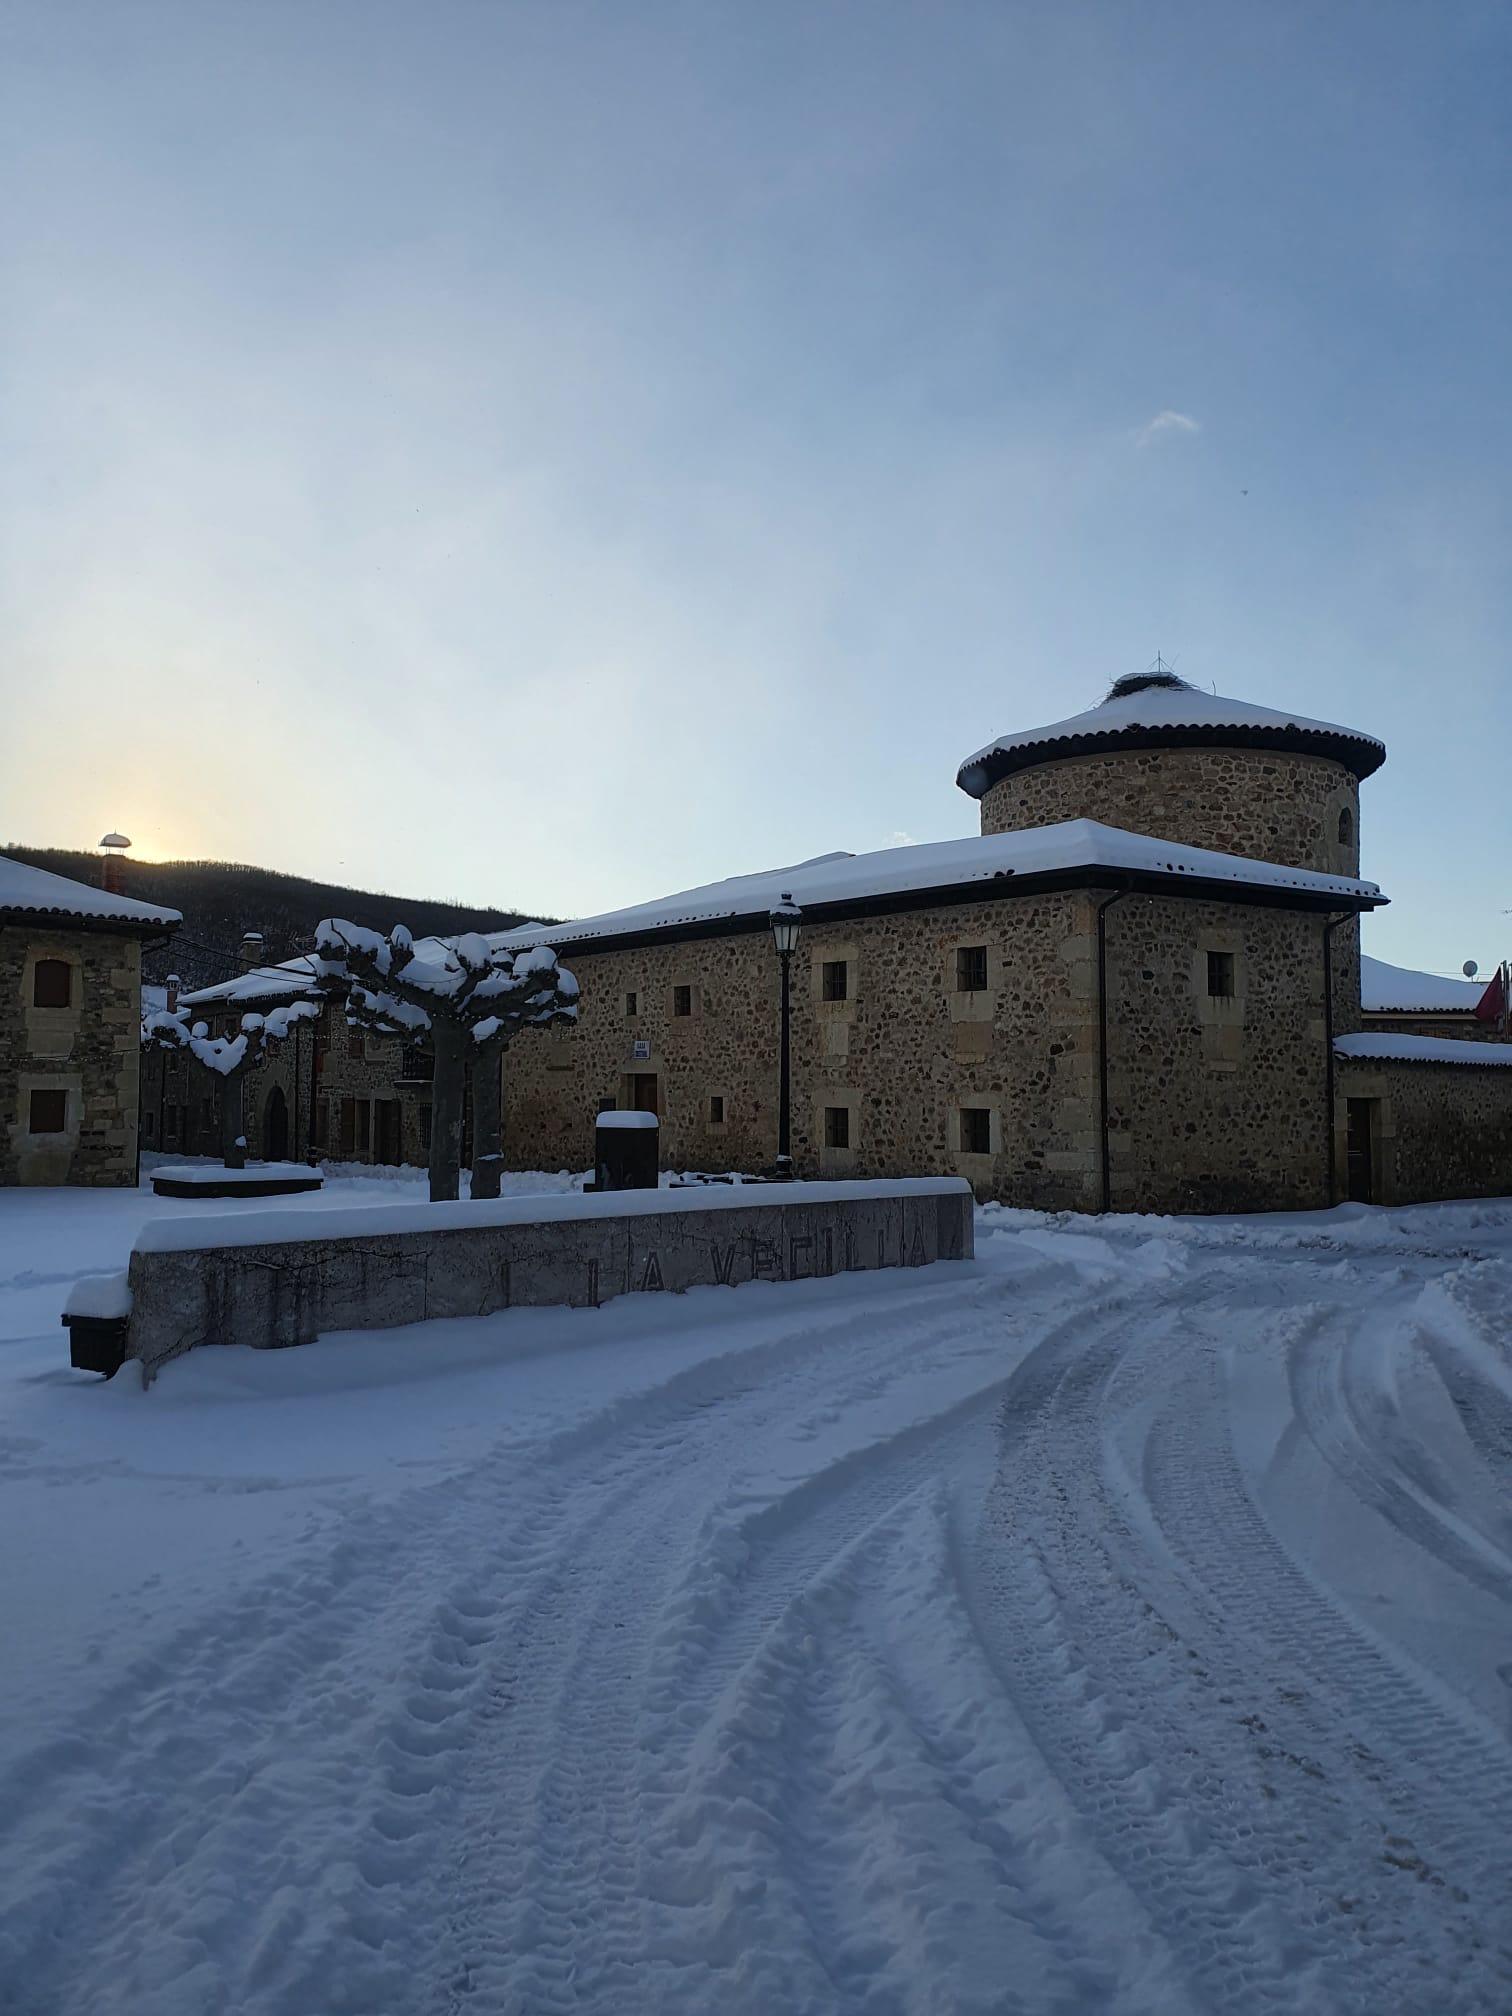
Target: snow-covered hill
(1119, 1622)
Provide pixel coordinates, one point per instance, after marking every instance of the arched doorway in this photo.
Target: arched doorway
(276, 1126)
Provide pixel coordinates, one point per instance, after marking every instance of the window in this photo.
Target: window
(716, 1109)
(1346, 827)
(1220, 967)
(149, 1126)
(416, 1063)
(835, 980)
(364, 1128)
(837, 1127)
(976, 1130)
(971, 969)
(682, 1000)
(52, 985)
(632, 1004)
(49, 1112)
(356, 1044)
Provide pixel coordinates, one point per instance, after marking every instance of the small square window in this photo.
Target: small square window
(976, 1130)
(716, 1109)
(52, 984)
(682, 1000)
(837, 1126)
(971, 969)
(1220, 969)
(632, 1004)
(357, 1045)
(49, 1112)
(835, 980)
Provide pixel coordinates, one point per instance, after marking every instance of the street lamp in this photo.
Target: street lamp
(785, 920)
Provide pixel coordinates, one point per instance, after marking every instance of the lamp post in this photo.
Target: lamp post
(785, 919)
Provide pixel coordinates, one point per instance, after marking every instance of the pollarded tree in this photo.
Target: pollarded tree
(229, 1057)
(468, 1001)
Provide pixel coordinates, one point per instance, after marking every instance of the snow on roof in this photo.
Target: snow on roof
(1421, 1049)
(1397, 989)
(37, 892)
(292, 981)
(1139, 709)
(937, 865)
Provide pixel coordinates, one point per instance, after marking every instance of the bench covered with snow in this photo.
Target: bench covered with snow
(276, 1278)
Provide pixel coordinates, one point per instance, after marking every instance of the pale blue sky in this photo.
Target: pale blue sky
(551, 454)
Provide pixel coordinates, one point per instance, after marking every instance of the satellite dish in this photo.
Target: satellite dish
(1469, 969)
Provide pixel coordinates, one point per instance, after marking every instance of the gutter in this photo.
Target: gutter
(1329, 1072)
(1102, 1044)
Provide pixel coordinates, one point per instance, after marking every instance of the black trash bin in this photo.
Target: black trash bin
(96, 1343)
(626, 1151)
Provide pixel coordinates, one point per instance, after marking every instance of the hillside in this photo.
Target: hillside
(222, 899)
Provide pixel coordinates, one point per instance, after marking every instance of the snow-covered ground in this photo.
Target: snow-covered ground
(1119, 1622)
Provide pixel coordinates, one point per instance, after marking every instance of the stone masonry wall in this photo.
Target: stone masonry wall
(901, 1055)
(88, 1051)
(1263, 804)
(1442, 1130)
(1216, 1103)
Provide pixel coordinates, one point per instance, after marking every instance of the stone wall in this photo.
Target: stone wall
(88, 1051)
(1216, 1103)
(1441, 1130)
(283, 1278)
(1259, 803)
(901, 1055)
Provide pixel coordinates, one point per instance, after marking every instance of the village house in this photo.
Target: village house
(70, 1009)
(1138, 988)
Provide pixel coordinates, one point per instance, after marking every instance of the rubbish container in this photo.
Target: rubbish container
(625, 1151)
(96, 1343)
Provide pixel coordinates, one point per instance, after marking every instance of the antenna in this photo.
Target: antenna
(1470, 969)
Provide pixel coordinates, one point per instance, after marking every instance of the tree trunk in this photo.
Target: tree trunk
(233, 1138)
(448, 1088)
(488, 1132)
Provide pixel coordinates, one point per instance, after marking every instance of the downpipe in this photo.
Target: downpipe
(1102, 1045)
(1329, 1080)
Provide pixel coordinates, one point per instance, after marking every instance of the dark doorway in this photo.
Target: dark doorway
(643, 1092)
(386, 1130)
(1362, 1149)
(276, 1126)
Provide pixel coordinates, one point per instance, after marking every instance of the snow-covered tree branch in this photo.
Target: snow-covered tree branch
(228, 1057)
(468, 1001)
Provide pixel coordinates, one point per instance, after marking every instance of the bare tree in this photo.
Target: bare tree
(230, 1058)
(468, 1001)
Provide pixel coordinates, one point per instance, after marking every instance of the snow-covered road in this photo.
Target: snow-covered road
(1122, 1621)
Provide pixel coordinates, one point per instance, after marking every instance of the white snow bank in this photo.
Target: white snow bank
(101, 1295)
(620, 1122)
(376, 1221)
(1386, 989)
(948, 864)
(1421, 1050)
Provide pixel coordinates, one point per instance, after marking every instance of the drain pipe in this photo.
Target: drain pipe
(1328, 1054)
(1102, 1042)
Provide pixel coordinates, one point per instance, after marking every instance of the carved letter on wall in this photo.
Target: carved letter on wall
(652, 1278)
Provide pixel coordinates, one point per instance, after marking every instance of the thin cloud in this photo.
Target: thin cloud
(1168, 422)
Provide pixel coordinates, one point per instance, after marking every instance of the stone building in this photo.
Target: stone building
(328, 1093)
(1138, 988)
(1395, 1000)
(70, 1007)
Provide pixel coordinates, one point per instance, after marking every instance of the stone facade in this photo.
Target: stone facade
(1263, 804)
(372, 1098)
(1214, 1104)
(1437, 1130)
(87, 1052)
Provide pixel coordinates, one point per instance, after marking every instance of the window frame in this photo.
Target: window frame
(682, 1000)
(1224, 966)
(837, 1122)
(971, 962)
(832, 988)
(978, 1117)
(48, 1093)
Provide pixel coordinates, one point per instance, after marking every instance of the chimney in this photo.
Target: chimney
(251, 950)
(173, 987)
(113, 864)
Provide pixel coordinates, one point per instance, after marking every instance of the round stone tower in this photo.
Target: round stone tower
(1159, 757)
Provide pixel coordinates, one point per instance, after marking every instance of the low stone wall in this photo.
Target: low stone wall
(279, 1277)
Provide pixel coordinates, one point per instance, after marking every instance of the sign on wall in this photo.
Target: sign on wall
(640, 1050)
